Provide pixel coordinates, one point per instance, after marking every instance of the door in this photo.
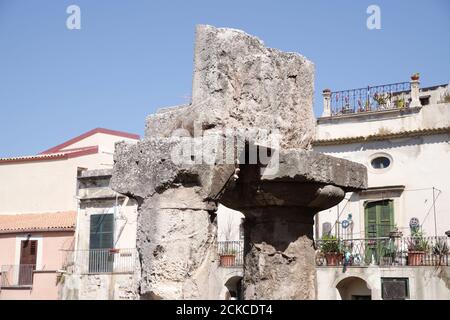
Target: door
(101, 239)
(379, 221)
(28, 256)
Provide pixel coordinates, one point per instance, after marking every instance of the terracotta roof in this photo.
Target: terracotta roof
(65, 154)
(381, 136)
(54, 221)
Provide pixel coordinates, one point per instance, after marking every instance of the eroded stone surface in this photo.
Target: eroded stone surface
(279, 260)
(240, 83)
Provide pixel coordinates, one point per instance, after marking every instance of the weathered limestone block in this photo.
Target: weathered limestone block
(280, 257)
(279, 210)
(175, 233)
(154, 165)
(240, 83)
(167, 236)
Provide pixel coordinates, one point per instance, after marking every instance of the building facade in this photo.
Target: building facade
(38, 211)
(104, 261)
(389, 241)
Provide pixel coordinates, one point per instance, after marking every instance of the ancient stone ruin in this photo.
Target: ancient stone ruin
(244, 141)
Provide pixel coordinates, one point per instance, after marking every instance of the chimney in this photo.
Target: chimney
(326, 103)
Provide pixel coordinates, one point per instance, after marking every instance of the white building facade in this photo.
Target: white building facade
(401, 133)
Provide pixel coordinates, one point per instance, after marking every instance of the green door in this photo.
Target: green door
(379, 221)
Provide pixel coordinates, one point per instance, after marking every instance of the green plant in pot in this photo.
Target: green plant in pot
(417, 248)
(330, 247)
(388, 253)
(440, 251)
(400, 103)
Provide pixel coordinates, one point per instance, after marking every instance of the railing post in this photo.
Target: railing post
(326, 103)
(415, 85)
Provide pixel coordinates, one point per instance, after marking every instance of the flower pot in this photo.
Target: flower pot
(416, 258)
(227, 260)
(333, 258)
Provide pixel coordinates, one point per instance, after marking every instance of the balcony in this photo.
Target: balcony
(405, 251)
(101, 261)
(231, 253)
(394, 96)
(17, 276)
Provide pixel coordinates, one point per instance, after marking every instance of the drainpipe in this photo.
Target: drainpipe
(124, 204)
(77, 226)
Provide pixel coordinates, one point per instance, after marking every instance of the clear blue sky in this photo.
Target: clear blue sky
(132, 57)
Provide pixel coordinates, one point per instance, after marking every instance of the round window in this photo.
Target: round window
(380, 162)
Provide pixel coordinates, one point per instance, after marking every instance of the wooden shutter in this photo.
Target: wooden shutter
(371, 220)
(28, 252)
(102, 231)
(385, 218)
(379, 218)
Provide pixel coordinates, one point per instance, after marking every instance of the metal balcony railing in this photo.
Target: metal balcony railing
(97, 261)
(377, 98)
(231, 253)
(405, 251)
(17, 275)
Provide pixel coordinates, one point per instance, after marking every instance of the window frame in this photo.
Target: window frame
(407, 287)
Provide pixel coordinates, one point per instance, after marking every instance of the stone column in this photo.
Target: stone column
(326, 103)
(415, 85)
(176, 244)
(279, 255)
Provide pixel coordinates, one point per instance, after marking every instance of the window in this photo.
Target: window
(28, 256)
(424, 101)
(394, 288)
(380, 162)
(379, 218)
(102, 231)
(101, 239)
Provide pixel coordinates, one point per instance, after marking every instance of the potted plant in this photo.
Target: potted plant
(415, 76)
(388, 254)
(440, 251)
(400, 103)
(381, 99)
(330, 247)
(417, 247)
(228, 257)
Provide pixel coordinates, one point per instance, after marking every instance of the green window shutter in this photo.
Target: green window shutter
(371, 220)
(101, 231)
(385, 218)
(379, 218)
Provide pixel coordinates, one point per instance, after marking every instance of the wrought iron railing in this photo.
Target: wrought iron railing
(405, 251)
(17, 275)
(96, 261)
(377, 98)
(231, 253)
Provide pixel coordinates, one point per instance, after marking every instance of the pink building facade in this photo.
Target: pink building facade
(38, 211)
(33, 250)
